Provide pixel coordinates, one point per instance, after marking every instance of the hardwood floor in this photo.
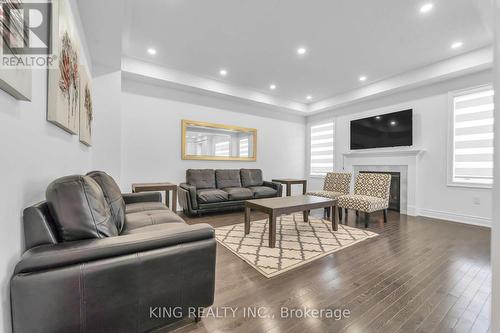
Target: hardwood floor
(419, 275)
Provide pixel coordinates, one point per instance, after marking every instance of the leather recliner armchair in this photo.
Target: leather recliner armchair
(97, 261)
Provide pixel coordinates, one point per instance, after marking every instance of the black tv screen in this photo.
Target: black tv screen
(385, 130)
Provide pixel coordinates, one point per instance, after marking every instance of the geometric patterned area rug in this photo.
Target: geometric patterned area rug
(297, 242)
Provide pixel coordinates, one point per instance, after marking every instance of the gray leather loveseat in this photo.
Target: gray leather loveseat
(100, 261)
(208, 190)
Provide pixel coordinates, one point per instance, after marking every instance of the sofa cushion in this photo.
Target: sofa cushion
(144, 206)
(239, 193)
(113, 196)
(263, 191)
(251, 177)
(79, 209)
(155, 228)
(211, 195)
(227, 178)
(150, 217)
(201, 178)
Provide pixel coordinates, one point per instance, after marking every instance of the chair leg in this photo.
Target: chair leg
(346, 213)
(385, 215)
(340, 213)
(367, 219)
(357, 213)
(327, 212)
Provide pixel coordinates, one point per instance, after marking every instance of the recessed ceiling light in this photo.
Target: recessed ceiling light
(301, 51)
(151, 51)
(378, 117)
(272, 86)
(426, 8)
(457, 45)
(393, 123)
(309, 97)
(223, 72)
(362, 78)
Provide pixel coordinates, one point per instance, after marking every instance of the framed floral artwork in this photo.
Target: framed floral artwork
(13, 38)
(64, 91)
(86, 108)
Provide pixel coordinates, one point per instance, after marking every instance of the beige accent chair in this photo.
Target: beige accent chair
(336, 185)
(371, 194)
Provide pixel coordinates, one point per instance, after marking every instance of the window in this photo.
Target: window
(472, 138)
(322, 149)
(244, 147)
(222, 148)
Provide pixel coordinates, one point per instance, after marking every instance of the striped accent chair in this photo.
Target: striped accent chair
(336, 185)
(371, 194)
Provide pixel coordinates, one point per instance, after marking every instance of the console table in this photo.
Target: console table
(153, 187)
(289, 182)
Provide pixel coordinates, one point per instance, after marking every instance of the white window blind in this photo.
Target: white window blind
(322, 148)
(222, 148)
(473, 137)
(244, 147)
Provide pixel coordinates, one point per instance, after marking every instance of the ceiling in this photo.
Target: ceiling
(256, 42)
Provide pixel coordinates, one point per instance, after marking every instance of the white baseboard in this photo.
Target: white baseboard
(453, 217)
(411, 210)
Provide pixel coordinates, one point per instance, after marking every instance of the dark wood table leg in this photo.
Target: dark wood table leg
(247, 220)
(288, 190)
(174, 200)
(306, 216)
(167, 198)
(335, 218)
(272, 230)
(304, 188)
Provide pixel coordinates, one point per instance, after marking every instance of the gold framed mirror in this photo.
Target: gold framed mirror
(217, 142)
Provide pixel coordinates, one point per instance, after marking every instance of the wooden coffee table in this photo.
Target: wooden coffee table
(287, 205)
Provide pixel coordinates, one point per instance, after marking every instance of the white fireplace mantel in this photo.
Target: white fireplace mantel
(384, 153)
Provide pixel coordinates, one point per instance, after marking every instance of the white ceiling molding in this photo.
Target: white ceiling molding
(467, 63)
(133, 67)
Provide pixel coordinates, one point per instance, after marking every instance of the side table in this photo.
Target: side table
(289, 182)
(153, 187)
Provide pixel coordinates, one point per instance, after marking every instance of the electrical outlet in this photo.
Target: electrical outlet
(476, 201)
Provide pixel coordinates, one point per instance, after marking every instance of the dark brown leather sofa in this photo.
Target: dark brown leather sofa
(100, 261)
(208, 190)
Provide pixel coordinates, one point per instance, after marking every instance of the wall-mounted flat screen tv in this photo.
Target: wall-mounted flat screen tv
(385, 130)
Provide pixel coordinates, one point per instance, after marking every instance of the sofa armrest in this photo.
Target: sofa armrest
(277, 186)
(69, 253)
(131, 198)
(191, 194)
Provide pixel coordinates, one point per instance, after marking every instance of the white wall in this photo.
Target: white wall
(152, 137)
(433, 197)
(107, 132)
